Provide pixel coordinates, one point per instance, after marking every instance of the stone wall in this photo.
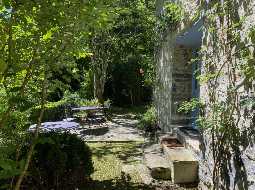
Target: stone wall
(215, 51)
(174, 74)
(174, 86)
(182, 83)
(163, 86)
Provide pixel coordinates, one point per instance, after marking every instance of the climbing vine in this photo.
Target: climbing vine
(169, 18)
(228, 75)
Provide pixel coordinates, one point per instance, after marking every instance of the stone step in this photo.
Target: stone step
(184, 165)
(189, 138)
(144, 173)
(152, 149)
(129, 170)
(159, 167)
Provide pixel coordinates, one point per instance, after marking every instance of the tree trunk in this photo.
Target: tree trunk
(32, 146)
(99, 87)
(100, 64)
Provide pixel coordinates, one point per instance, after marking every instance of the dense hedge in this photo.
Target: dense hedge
(55, 111)
(60, 161)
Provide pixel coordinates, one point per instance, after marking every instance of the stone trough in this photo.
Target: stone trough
(183, 164)
(170, 160)
(171, 142)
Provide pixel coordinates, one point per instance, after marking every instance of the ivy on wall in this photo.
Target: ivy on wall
(228, 73)
(170, 17)
(228, 57)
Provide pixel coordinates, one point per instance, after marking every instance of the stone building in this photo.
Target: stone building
(177, 81)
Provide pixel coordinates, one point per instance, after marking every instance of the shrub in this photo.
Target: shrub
(173, 13)
(149, 118)
(60, 161)
(77, 100)
(54, 111)
(57, 111)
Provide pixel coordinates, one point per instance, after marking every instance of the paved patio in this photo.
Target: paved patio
(120, 129)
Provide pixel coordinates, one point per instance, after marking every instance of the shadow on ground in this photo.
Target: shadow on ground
(122, 184)
(109, 158)
(127, 120)
(115, 184)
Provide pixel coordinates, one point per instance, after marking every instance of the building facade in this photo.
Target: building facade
(204, 58)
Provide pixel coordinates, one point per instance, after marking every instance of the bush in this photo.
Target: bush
(57, 111)
(149, 119)
(54, 111)
(60, 161)
(77, 100)
(172, 15)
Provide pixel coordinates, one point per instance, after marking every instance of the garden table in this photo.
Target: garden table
(91, 110)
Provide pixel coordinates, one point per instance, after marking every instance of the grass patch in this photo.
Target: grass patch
(134, 112)
(109, 158)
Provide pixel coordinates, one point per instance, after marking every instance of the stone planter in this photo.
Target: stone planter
(171, 142)
(184, 166)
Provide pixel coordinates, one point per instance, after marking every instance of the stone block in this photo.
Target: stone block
(158, 165)
(127, 171)
(184, 166)
(144, 174)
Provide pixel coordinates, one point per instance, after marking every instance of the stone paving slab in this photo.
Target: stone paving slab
(144, 173)
(120, 130)
(158, 165)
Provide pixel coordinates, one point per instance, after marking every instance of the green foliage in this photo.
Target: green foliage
(75, 99)
(249, 68)
(57, 111)
(86, 90)
(149, 118)
(44, 37)
(171, 17)
(131, 71)
(10, 143)
(192, 105)
(40, 42)
(10, 168)
(173, 13)
(54, 111)
(60, 161)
